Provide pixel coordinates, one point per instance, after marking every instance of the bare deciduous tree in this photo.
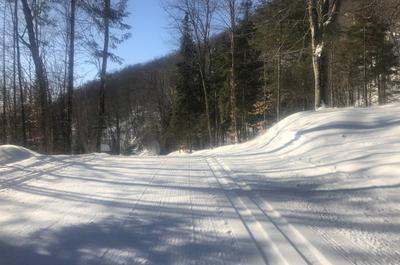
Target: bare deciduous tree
(70, 85)
(231, 8)
(20, 82)
(322, 14)
(41, 76)
(4, 118)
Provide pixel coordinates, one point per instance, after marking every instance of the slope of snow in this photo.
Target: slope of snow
(361, 145)
(11, 153)
(336, 172)
(318, 188)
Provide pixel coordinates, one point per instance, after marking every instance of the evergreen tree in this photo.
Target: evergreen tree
(220, 88)
(248, 66)
(186, 105)
(372, 56)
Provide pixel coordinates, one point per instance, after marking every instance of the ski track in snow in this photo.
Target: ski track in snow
(279, 200)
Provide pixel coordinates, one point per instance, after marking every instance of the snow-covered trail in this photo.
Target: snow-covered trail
(105, 210)
(318, 188)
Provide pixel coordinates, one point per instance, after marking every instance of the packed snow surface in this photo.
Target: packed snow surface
(318, 188)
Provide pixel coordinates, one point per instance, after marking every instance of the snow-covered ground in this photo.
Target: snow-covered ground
(318, 188)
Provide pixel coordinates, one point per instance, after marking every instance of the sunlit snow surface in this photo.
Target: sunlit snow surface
(318, 188)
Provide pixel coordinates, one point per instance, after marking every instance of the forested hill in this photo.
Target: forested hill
(138, 102)
(241, 66)
(161, 105)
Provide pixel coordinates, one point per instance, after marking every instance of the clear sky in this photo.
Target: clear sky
(151, 36)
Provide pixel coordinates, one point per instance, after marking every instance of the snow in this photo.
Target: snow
(317, 188)
(10, 154)
(318, 50)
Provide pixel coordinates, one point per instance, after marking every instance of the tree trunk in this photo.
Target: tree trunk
(350, 88)
(233, 114)
(189, 119)
(14, 84)
(70, 85)
(331, 81)
(365, 83)
(243, 133)
(322, 14)
(20, 83)
(378, 81)
(320, 76)
(265, 90)
(384, 78)
(4, 120)
(40, 76)
(203, 82)
(216, 130)
(278, 96)
(118, 136)
(317, 47)
(101, 116)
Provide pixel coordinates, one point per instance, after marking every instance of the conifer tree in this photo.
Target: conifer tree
(186, 105)
(248, 68)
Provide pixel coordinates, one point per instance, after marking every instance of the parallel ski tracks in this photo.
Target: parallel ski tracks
(216, 209)
(133, 211)
(277, 241)
(211, 221)
(33, 174)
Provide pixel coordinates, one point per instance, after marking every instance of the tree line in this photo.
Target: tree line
(38, 66)
(241, 66)
(277, 57)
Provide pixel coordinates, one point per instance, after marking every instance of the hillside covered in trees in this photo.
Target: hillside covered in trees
(241, 66)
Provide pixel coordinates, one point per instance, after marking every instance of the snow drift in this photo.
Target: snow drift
(316, 129)
(11, 154)
(356, 146)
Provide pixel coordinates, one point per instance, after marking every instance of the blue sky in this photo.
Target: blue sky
(151, 37)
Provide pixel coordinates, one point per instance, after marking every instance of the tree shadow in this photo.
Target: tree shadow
(144, 239)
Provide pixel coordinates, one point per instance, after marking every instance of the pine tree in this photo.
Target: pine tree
(372, 53)
(247, 68)
(186, 105)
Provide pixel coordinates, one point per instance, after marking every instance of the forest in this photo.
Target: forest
(241, 66)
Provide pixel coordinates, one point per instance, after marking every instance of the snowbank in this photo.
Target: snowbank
(11, 154)
(359, 147)
(316, 129)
